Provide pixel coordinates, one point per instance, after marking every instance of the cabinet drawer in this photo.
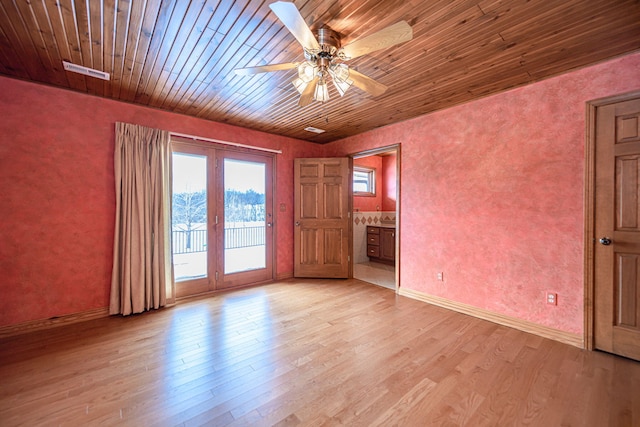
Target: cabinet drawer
(373, 251)
(373, 239)
(373, 230)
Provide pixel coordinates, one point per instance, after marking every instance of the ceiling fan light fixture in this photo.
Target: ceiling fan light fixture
(322, 91)
(299, 84)
(307, 71)
(340, 71)
(340, 76)
(324, 56)
(342, 86)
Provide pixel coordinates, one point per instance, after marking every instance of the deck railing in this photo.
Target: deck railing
(185, 242)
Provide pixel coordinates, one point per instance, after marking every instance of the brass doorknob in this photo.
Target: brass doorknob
(605, 241)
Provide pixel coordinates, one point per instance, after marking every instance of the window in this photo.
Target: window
(364, 181)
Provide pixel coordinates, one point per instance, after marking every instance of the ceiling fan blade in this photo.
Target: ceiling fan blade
(387, 37)
(366, 83)
(266, 68)
(307, 94)
(289, 15)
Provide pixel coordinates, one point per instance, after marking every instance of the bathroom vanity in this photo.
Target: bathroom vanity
(381, 243)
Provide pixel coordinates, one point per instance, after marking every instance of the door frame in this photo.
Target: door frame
(589, 210)
(212, 146)
(372, 152)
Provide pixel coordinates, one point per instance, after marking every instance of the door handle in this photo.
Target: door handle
(605, 241)
(269, 224)
(297, 223)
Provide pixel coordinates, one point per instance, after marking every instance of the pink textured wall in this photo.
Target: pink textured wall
(492, 195)
(389, 183)
(57, 210)
(369, 203)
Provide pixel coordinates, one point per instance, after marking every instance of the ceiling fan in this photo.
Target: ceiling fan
(325, 57)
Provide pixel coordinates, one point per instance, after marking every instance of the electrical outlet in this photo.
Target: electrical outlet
(440, 277)
(552, 298)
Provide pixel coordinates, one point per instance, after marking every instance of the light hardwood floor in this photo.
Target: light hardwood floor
(309, 352)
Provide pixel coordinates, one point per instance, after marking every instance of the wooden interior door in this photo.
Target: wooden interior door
(322, 217)
(617, 229)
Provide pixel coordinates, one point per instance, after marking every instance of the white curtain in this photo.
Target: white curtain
(141, 279)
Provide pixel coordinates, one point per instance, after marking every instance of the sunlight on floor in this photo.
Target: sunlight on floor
(376, 273)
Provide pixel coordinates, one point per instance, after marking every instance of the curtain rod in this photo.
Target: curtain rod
(219, 141)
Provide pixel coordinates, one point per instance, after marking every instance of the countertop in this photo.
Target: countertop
(382, 225)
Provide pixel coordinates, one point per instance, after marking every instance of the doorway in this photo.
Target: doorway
(376, 202)
(222, 218)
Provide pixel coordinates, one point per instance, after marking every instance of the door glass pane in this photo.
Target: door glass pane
(189, 216)
(244, 216)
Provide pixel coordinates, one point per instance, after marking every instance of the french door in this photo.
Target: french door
(222, 218)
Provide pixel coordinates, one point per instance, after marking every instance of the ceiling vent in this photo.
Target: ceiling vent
(314, 130)
(86, 71)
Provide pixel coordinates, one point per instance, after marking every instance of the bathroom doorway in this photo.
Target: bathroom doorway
(376, 191)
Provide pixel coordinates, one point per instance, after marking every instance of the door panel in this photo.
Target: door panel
(309, 252)
(333, 205)
(322, 220)
(628, 286)
(309, 204)
(192, 231)
(246, 216)
(617, 228)
(333, 246)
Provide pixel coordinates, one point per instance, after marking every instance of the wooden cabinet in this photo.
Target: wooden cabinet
(381, 244)
(388, 244)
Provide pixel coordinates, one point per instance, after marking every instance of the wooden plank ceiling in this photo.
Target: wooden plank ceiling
(180, 55)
